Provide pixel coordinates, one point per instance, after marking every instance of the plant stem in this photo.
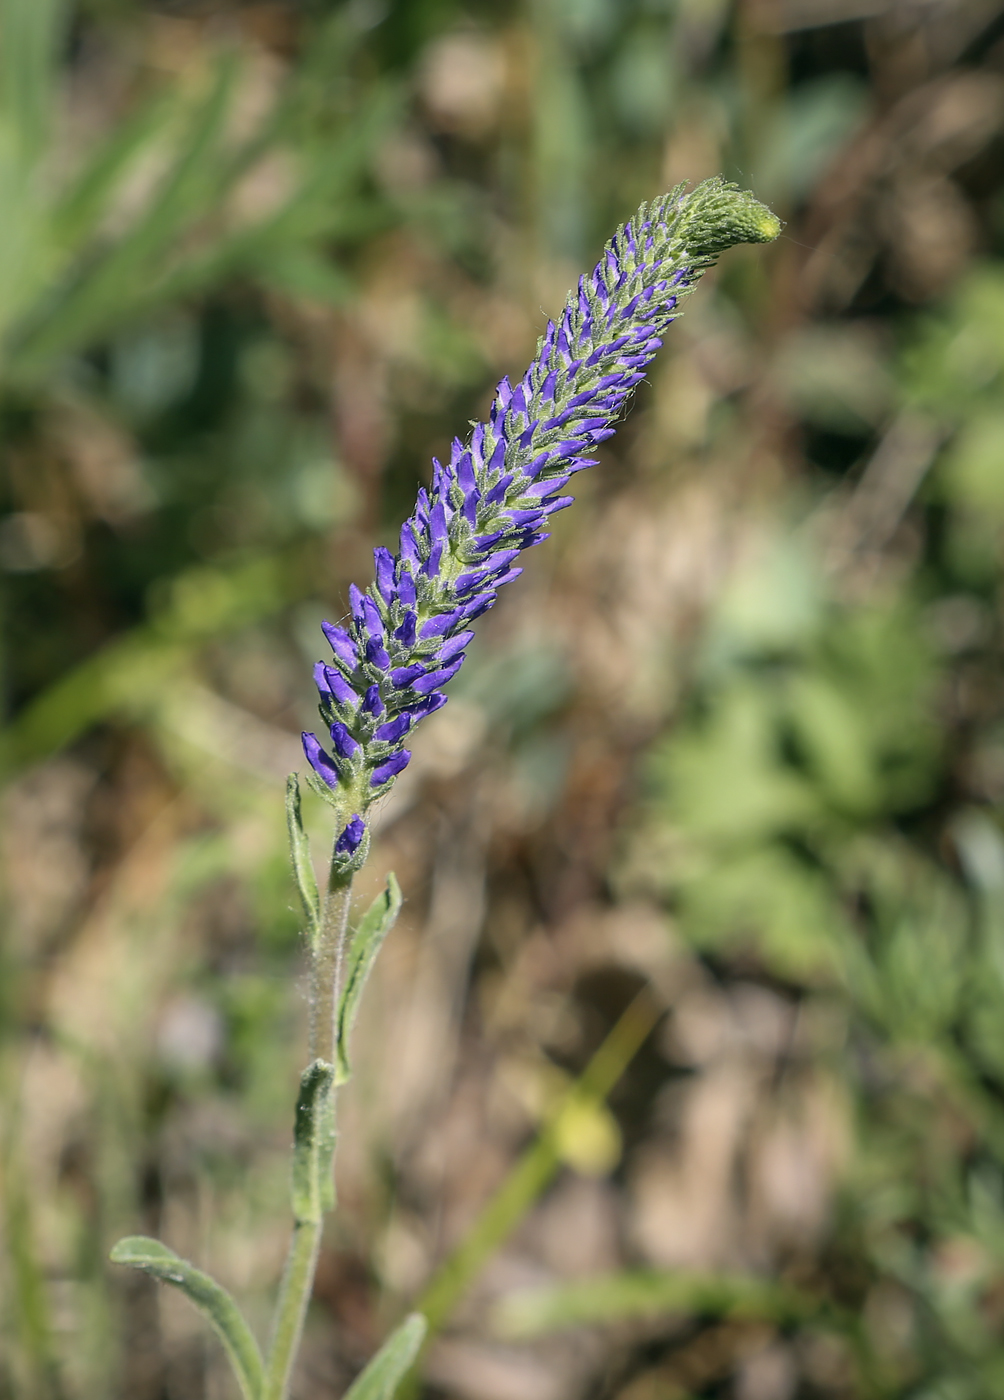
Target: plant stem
(301, 1261)
(326, 968)
(297, 1284)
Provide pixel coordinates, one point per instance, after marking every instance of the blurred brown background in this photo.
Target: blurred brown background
(734, 737)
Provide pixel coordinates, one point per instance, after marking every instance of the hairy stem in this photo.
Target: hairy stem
(301, 1261)
(294, 1295)
(326, 968)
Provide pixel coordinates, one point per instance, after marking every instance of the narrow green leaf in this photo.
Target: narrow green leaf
(299, 850)
(29, 1293)
(387, 1369)
(314, 1144)
(89, 197)
(123, 278)
(302, 272)
(637, 1294)
(30, 35)
(366, 943)
(129, 675)
(214, 1302)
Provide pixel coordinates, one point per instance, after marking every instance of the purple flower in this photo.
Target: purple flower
(405, 637)
(348, 843)
(344, 744)
(390, 769)
(319, 761)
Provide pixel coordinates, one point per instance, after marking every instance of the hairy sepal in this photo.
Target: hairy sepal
(212, 1300)
(331, 796)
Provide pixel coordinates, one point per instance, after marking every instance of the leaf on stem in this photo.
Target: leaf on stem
(303, 868)
(214, 1302)
(387, 1369)
(366, 943)
(314, 1144)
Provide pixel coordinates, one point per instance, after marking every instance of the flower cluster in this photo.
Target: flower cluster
(407, 634)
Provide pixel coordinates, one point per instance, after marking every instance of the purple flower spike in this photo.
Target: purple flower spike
(491, 499)
(348, 843)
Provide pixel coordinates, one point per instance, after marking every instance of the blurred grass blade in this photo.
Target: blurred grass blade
(29, 1294)
(30, 31)
(118, 284)
(616, 1297)
(299, 272)
(128, 676)
(171, 250)
(313, 1188)
(277, 249)
(303, 867)
(366, 943)
(383, 1375)
(336, 163)
(214, 1302)
(531, 1174)
(87, 201)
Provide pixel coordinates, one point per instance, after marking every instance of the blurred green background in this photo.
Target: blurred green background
(736, 736)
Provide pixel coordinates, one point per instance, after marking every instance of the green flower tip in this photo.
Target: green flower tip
(716, 215)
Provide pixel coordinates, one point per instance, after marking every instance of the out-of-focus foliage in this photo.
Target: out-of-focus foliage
(736, 738)
(825, 806)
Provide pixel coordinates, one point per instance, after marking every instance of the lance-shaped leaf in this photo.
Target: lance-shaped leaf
(303, 868)
(214, 1302)
(387, 1369)
(366, 942)
(314, 1144)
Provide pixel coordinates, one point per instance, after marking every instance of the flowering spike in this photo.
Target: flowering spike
(488, 503)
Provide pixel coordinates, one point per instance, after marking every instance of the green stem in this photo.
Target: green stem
(301, 1261)
(326, 969)
(297, 1284)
